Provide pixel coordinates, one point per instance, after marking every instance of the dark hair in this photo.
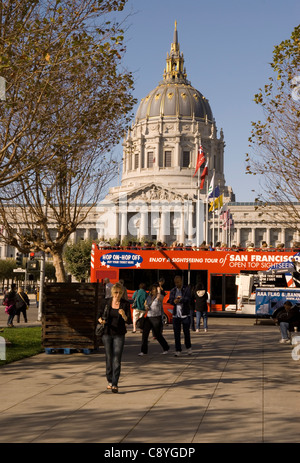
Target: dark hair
(200, 286)
(155, 285)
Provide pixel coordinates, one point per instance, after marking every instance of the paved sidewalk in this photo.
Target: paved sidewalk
(239, 386)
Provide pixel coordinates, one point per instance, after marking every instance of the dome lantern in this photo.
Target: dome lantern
(174, 97)
(175, 71)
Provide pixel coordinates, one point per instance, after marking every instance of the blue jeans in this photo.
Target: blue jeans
(185, 322)
(198, 318)
(284, 327)
(113, 345)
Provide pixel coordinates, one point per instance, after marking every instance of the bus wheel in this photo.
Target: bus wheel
(165, 319)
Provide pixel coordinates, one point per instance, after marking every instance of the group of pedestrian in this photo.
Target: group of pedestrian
(115, 313)
(16, 303)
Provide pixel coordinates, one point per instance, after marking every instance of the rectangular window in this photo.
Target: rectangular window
(186, 159)
(136, 160)
(150, 159)
(168, 158)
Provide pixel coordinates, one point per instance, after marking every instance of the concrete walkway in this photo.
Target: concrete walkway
(239, 386)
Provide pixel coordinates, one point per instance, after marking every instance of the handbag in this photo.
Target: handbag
(100, 326)
(9, 309)
(140, 323)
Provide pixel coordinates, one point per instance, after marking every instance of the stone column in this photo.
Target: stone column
(238, 236)
(144, 222)
(182, 231)
(268, 236)
(164, 231)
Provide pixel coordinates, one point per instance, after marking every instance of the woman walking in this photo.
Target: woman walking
(153, 320)
(115, 314)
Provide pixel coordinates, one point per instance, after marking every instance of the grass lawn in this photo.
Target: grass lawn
(25, 342)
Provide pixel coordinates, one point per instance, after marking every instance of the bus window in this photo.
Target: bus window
(132, 278)
(223, 291)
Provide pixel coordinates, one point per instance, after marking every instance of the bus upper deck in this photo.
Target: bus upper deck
(216, 269)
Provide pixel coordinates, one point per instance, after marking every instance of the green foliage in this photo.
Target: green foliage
(78, 259)
(6, 268)
(25, 342)
(50, 271)
(67, 105)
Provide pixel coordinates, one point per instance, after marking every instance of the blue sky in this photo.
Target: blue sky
(227, 47)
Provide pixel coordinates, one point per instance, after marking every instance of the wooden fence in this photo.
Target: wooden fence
(70, 315)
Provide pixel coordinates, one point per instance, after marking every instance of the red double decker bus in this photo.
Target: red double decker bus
(220, 271)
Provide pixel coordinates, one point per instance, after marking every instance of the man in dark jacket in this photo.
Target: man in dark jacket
(288, 318)
(180, 298)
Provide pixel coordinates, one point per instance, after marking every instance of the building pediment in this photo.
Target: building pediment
(149, 193)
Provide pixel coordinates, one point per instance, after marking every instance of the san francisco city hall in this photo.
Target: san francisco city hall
(159, 196)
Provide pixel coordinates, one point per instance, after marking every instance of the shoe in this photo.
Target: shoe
(134, 331)
(197, 331)
(109, 386)
(165, 352)
(205, 331)
(189, 351)
(177, 353)
(284, 341)
(114, 389)
(141, 354)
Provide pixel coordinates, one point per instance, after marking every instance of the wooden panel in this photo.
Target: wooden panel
(69, 315)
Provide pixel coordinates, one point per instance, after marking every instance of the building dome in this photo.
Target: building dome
(174, 96)
(174, 100)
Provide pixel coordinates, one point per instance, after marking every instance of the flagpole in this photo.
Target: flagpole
(214, 209)
(198, 211)
(199, 162)
(206, 212)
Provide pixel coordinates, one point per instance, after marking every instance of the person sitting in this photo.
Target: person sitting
(288, 318)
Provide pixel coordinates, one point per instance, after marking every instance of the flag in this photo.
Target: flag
(200, 159)
(217, 203)
(203, 175)
(227, 219)
(211, 187)
(215, 193)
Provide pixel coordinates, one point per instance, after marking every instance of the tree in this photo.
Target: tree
(78, 259)
(45, 48)
(6, 269)
(72, 102)
(275, 142)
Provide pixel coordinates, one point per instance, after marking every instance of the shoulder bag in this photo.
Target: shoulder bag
(100, 326)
